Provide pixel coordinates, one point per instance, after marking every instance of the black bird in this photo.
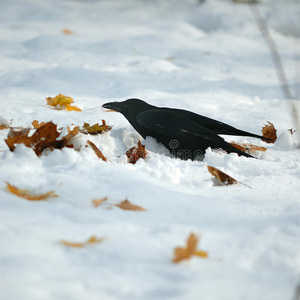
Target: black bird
(186, 134)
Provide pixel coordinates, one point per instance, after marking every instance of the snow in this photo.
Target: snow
(206, 57)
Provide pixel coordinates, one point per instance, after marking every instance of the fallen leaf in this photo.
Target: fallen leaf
(90, 241)
(67, 31)
(222, 177)
(45, 137)
(72, 108)
(127, 205)
(183, 253)
(96, 128)
(29, 195)
(36, 124)
(135, 153)
(248, 148)
(62, 102)
(97, 202)
(2, 127)
(97, 151)
(269, 132)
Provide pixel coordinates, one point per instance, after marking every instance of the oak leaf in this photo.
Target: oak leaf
(127, 205)
(269, 132)
(135, 153)
(96, 128)
(97, 151)
(29, 195)
(183, 253)
(97, 202)
(90, 241)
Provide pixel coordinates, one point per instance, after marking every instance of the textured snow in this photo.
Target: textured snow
(206, 57)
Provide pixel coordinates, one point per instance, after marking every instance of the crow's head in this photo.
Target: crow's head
(130, 106)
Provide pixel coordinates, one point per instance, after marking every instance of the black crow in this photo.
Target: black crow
(186, 134)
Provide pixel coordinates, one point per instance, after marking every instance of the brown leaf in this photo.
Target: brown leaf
(135, 153)
(248, 148)
(67, 31)
(36, 124)
(2, 127)
(96, 128)
(97, 202)
(97, 151)
(29, 195)
(222, 177)
(127, 205)
(269, 132)
(182, 253)
(45, 137)
(90, 241)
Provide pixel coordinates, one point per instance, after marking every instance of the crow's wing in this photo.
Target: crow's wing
(166, 125)
(215, 126)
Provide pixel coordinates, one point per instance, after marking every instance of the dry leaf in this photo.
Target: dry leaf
(45, 137)
(96, 128)
(91, 240)
(67, 31)
(72, 108)
(62, 102)
(248, 148)
(135, 153)
(221, 176)
(97, 202)
(269, 132)
(2, 127)
(127, 205)
(97, 151)
(29, 195)
(182, 253)
(36, 124)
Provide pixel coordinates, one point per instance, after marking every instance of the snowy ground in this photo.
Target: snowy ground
(209, 58)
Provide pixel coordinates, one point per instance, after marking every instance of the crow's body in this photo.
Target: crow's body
(186, 134)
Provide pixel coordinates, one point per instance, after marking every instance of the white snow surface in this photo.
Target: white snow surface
(207, 57)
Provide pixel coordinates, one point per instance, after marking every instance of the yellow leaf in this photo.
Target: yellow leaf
(91, 240)
(70, 108)
(127, 205)
(183, 253)
(60, 100)
(28, 195)
(96, 128)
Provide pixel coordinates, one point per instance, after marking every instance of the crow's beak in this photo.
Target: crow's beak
(112, 106)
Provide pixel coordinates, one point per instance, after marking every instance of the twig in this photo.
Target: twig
(277, 62)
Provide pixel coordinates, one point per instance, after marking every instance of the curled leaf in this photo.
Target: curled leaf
(222, 177)
(90, 241)
(97, 151)
(135, 153)
(269, 132)
(29, 195)
(183, 253)
(127, 205)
